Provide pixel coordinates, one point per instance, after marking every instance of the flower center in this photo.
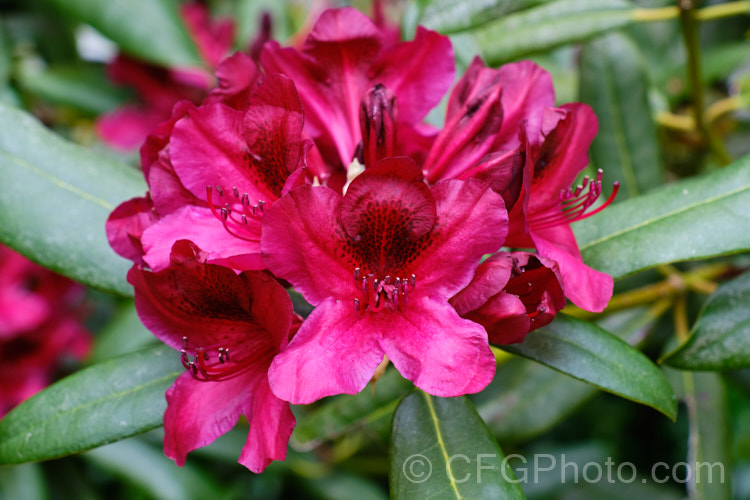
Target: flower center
(240, 217)
(213, 363)
(383, 293)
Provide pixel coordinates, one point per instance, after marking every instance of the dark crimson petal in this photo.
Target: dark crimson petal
(331, 74)
(503, 171)
(239, 77)
(467, 136)
(504, 317)
(563, 154)
(254, 151)
(213, 306)
(418, 72)
(489, 279)
(126, 225)
(388, 199)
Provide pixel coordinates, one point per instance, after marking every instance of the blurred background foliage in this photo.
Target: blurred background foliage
(671, 91)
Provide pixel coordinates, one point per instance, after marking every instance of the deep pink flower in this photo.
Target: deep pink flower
(511, 295)
(40, 325)
(159, 88)
(228, 328)
(245, 158)
(380, 264)
(548, 205)
(345, 56)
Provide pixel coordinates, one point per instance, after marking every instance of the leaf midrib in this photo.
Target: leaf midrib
(43, 423)
(661, 217)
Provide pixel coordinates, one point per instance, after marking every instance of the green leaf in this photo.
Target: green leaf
(440, 448)
(95, 406)
(56, 198)
(586, 352)
(550, 25)
(22, 482)
(450, 16)
(84, 87)
(338, 416)
(709, 442)
(720, 339)
(123, 334)
(526, 399)
(690, 219)
(141, 464)
(615, 84)
(149, 29)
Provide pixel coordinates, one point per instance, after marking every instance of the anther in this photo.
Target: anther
(245, 199)
(356, 305)
(261, 205)
(236, 192)
(357, 273)
(244, 219)
(413, 280)
(184, 342)
(219, 190)
(224, 214)
(226, 352)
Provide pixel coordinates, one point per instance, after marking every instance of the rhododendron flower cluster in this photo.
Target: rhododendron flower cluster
(40, 325)
(312, 167)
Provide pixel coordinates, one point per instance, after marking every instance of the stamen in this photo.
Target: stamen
(233, 218)
(573, 204)
(357, 273)
(236, 192)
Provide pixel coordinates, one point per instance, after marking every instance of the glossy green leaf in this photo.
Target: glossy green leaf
(95, 406)
(614, 83)
(337, 416)
(83, 87)
(551, 25)
(720, 339)
(709, 441)
(440, 448)
(525, 399)
(157, 475)
(56, 199)
(148, 29)
(586, 352)
(450, 16)
(690, 219)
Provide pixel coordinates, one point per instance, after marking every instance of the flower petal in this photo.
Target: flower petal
(125, 227)
(332, 353)
(299, 243)
(442, 353)
(271, 424)
(563, 153)
(471, 222)
(418, 72)
(586, 287)
(200, 226)
(198, 412)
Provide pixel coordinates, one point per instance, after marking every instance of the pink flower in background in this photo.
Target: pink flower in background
(511, 295)
(228, 327)
(212, 171)
(548, 205)
(159, 88)
(40, 326)
(380, 264)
